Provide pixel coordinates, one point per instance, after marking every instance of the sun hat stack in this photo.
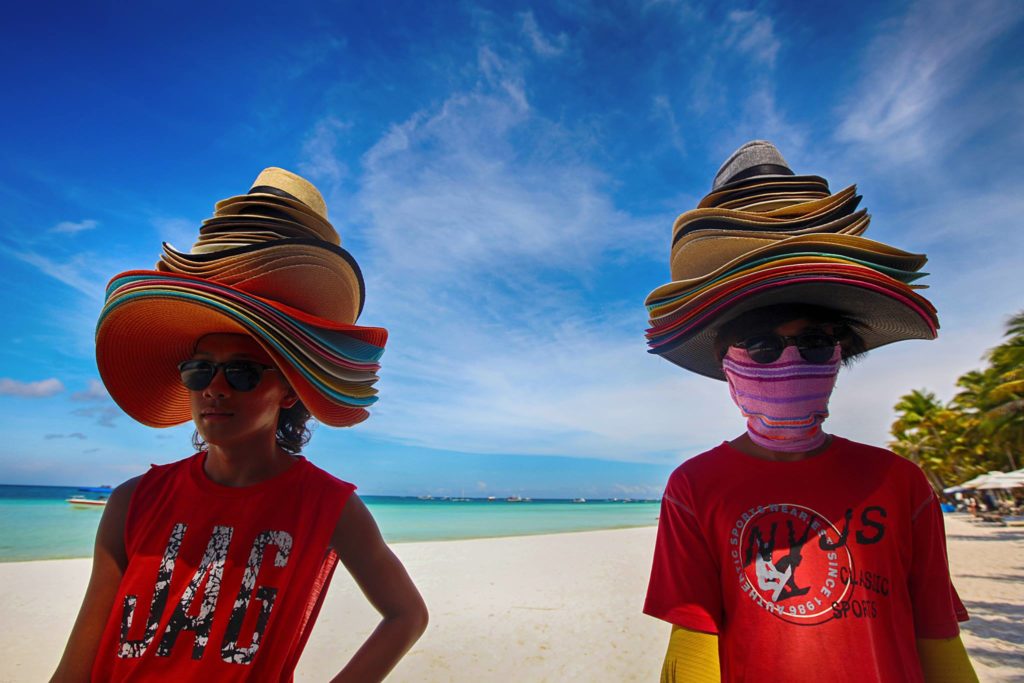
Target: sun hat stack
(766, 236)
(268, 264)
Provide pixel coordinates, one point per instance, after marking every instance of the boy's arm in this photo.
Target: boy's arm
(944, 660)
(692, 657)
(108, 565)
(387, 586)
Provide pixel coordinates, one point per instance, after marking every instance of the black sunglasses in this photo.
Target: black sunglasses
(814, 346)
(241, 375)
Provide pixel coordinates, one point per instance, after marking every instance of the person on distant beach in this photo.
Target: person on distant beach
(788, 554)
(214, 568)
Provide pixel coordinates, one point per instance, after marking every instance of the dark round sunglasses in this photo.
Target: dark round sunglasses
(241, 375)
(815, 347)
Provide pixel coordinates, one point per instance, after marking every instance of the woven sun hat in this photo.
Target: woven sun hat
(702, 253)
(669, 316)
(281, 187)
(296, 272)
(290, 217)
(269, 265)
(152, 320)
(765, 236)
(794, 217)
(722, 255)
(880, 317)
(277, 198)
(757, 188)
(757, 161)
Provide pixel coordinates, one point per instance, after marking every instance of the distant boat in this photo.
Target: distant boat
(515, 499)
(78, 500)
(82, 501)
(579, 500)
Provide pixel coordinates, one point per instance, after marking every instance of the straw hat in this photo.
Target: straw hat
(765, 236)
(268, 265)
(881, 317)
(296, 272)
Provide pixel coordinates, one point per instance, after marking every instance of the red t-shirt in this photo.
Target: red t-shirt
(222, 584)
(825, 569)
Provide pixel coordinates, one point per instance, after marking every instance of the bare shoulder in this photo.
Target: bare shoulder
(121, 498)
(122, 493)
(356, 528)
(110, 535)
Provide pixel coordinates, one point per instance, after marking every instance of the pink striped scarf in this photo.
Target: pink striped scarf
(784, 401)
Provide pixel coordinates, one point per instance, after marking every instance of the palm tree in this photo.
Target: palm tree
(914, 432)
(982, 427)
(1004, 409)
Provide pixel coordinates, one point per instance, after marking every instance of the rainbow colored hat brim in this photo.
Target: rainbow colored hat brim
(151, 321)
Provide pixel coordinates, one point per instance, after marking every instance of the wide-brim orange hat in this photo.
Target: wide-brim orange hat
(152, 320)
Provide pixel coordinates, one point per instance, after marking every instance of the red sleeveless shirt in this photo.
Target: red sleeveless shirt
(222, 584)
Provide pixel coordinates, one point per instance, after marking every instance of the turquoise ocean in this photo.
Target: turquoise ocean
(37, 524)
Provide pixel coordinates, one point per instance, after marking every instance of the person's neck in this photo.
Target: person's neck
(245, 465)
(744, 444)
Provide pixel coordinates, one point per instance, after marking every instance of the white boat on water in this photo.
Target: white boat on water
(82, 501)
(99, 499)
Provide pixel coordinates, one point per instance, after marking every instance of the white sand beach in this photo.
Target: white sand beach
(539, 608)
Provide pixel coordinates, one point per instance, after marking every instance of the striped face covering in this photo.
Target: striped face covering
(784, 401)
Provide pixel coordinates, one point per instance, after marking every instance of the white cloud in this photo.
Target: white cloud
(916, 65)
(662, 109)
(94, 392)
(488, 241)
(320, 163)
(577, 391)
(484, 256)
(104, 415)
(82, 271)
(180, 233)
(862, 405)
(753, 34)
(41, 389)
(72, 228)
(102, 408)
(761, 118)
(541, 44)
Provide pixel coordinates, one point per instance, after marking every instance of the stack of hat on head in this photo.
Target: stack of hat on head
(765, 236)
(268, 264)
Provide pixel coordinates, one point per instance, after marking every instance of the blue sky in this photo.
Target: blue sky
(507, 175)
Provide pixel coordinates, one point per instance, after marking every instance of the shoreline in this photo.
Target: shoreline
(525, 534)
(544, 607)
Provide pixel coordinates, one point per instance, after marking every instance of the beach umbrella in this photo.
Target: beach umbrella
(1003, 480)
(979, 480)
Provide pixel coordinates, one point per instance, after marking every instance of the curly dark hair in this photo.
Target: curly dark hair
(765, 320)
(294, 429)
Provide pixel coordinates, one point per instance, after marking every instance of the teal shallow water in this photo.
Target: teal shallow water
(37, 524)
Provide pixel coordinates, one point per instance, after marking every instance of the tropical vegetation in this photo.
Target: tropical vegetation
(980, 429)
